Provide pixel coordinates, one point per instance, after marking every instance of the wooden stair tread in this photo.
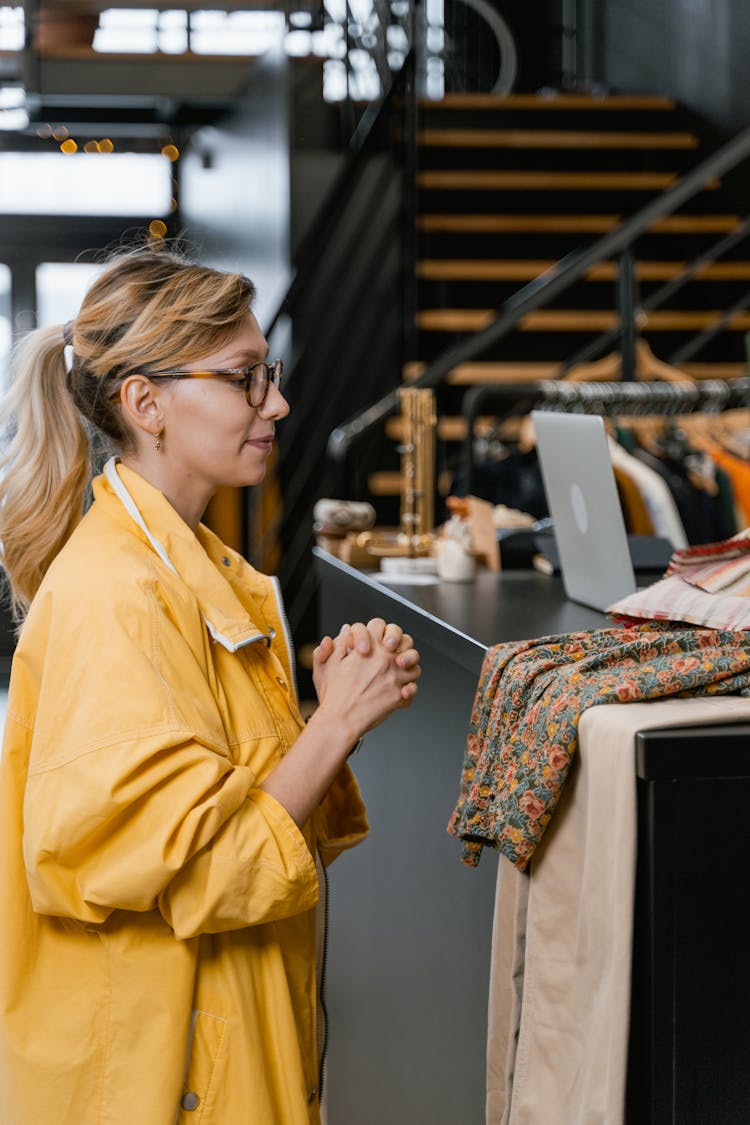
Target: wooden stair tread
(553, 139)
(578, 320)
(449, 427)
(526, 269)
(481, 371)
(583, 224)
(584, 134)
(478, 372)
(384, 482)
(478, 180)
(721, 370)
(555, 101)
(388, 482)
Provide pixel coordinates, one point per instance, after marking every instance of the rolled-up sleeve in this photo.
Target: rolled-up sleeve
(178, 827)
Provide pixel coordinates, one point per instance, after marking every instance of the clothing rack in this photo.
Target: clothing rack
(710, 396)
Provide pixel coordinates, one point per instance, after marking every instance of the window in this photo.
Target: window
(60, 288)
(112, 183)
(11, 28)
(210, 32)
(5, 330)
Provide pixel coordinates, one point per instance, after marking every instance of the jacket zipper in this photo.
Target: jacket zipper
(281, 609)
(321, 990)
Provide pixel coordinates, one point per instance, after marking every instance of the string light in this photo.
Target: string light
(157, 228)
(69, 146)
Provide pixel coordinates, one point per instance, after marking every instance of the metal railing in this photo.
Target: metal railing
(550, 284)
(609, 399)
(659, 297)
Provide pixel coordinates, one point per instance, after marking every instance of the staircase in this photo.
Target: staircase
(507, 186)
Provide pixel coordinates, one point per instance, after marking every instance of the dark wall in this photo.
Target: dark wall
(537, 26)
(695, 51)
(235, 186)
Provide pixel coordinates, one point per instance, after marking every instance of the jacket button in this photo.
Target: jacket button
(272, 633)
(226, 561)
(313, 1095)
(190, 1101)
(280, 681)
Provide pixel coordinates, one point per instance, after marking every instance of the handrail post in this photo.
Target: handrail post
(626, 307)
(409, 243)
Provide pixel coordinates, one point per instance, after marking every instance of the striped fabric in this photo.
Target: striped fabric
(707, 585)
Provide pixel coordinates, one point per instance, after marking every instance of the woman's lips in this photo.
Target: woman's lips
(264, 443)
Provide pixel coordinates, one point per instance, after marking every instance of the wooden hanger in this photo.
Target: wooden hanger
(647, 367)
(730, 429)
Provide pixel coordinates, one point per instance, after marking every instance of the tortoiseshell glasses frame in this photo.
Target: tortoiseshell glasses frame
(257, 379)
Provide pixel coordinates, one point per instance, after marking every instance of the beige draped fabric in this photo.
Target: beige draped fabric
(560, 982)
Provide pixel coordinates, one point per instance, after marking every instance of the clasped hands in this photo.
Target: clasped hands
(368, 670)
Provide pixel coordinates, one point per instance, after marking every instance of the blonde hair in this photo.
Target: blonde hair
(150, 308)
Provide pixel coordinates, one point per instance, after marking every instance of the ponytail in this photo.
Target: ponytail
(149, 305)
(44, 466)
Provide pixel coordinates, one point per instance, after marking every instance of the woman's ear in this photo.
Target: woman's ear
(141, 406)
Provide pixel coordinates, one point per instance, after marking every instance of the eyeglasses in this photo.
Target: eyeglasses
(257, 378)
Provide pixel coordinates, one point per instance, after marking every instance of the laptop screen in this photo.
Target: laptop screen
(582, 496)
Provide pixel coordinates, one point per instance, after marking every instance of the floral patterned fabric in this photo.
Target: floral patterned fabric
(530, 697)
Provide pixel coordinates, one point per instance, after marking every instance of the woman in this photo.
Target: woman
(162, 803)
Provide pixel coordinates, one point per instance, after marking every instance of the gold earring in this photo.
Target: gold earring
(157, 443)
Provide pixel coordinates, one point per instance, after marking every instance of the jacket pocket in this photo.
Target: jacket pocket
(204, 1063)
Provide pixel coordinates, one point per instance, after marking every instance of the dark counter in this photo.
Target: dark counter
(411, 927)
(462, 619)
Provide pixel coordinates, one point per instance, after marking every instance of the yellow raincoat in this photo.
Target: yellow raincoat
(157, 916)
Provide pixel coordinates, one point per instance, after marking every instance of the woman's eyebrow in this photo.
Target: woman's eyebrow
(247, 358)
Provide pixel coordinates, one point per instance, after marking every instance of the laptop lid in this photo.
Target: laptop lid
(579, 481)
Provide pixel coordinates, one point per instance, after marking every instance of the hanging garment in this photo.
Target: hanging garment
(701, 489)
(695, 506)
(658, 499)
(637, 519)
(739, 474)
(529, 700)
(727, 502)
(514, 480)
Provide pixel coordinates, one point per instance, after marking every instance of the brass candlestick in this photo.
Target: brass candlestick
(417, 468)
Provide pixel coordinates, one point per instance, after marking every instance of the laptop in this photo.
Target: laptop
(592, 544)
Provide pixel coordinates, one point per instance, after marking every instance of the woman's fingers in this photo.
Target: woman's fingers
(392, 636)
(408, 691)
(356, 637)
(323, 650)
(360, 638)
(365, 687)
(405, 642)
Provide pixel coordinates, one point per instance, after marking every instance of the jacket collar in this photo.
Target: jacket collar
(196, 559)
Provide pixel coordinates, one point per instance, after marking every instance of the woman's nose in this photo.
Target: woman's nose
(274, 404)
